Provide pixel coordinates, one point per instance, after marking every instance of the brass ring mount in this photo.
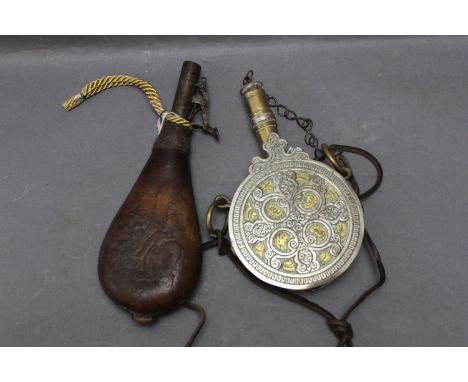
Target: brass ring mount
(220, 202)
(337, 163)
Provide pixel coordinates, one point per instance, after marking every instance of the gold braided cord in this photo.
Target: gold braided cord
(108, 82)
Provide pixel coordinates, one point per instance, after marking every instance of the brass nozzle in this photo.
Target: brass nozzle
(263, 119)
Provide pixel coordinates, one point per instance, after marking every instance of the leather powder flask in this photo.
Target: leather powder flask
(150, 258)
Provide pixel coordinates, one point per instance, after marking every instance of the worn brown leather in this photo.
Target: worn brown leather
(150, 258)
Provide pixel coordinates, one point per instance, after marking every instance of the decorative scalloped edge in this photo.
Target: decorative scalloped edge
(277, 151)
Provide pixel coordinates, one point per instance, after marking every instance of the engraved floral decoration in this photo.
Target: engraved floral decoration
(295, 221)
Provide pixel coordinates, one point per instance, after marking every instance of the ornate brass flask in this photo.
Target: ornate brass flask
(294, 222)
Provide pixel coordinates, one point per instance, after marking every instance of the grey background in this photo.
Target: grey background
(64, 175)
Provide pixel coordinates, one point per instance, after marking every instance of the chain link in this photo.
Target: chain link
(248, 77)
(304, 123)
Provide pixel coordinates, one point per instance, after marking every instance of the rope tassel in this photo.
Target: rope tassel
(108, 82)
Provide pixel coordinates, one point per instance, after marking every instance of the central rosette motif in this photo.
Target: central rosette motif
(296, 222)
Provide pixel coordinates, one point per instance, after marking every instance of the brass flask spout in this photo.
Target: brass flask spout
(263, 119)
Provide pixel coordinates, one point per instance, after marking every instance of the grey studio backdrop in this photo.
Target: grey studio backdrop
(64, 175)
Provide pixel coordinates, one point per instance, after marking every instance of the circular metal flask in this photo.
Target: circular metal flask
(294, 222)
